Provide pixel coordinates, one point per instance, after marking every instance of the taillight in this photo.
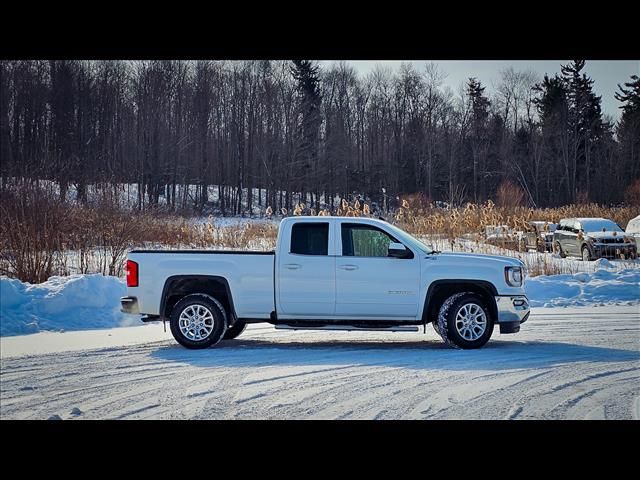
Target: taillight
(132, 273)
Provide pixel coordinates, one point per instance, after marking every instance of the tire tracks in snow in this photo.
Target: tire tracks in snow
(559, 366)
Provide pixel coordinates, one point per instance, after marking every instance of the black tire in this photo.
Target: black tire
(447, 321)
(235, 330)
(218, 314)
(587, 257)
(559, 249)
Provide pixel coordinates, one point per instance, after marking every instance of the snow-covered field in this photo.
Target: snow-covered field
(565, 363)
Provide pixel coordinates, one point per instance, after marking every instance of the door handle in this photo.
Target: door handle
(292, 266)
(348, 267)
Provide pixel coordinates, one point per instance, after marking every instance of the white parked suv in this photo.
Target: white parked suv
(633, 229)
(330, 273)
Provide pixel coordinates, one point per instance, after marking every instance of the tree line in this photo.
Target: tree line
(273, 133)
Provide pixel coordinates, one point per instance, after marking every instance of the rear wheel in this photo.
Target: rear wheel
(235, 330)
(464, 321)
(198, 321)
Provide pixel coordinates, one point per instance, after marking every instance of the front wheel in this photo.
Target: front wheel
(464, 321)
(198, 321)
(586, 256)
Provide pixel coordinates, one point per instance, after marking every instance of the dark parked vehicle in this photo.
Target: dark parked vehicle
(592, 238)
(539, 236)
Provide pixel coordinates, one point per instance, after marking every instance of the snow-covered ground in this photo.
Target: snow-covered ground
(565, 363)
(66, 352)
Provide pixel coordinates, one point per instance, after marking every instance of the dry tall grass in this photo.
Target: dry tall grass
(463, 229)
(41, 236)
(473, 218)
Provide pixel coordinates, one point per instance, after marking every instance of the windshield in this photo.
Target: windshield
(597, 225)
(404, 237)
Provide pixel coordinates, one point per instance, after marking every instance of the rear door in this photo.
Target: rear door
(369, 283)
(306, 271)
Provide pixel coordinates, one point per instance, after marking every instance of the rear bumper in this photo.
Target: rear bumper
(513, 310)
(129, 305)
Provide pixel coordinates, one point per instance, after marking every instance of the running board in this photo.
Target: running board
(350, 328)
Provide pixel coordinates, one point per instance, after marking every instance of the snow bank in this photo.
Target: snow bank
(597, 288)
(76, 302)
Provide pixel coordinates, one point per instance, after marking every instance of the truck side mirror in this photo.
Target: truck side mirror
(398, 250)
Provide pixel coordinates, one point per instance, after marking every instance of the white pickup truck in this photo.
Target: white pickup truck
(329, 273)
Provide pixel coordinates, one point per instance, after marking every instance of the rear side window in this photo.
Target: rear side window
(310, 238)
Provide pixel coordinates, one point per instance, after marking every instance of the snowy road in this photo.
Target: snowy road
(566, 363)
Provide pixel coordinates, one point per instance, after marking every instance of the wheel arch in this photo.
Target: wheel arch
(178, 286)
(440, 290)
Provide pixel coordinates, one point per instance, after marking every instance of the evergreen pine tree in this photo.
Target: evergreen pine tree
(307, 76)
(628, 128)
(479, 105)
(585, 127)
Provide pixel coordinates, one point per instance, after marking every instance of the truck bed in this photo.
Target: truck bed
(249, 275)
(217, 252)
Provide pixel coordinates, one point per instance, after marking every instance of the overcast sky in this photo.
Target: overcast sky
(606, 74)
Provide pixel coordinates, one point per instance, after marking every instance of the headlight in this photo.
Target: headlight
(513, 276)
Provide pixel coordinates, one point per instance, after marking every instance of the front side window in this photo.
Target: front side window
(364, 241)
(310, 238)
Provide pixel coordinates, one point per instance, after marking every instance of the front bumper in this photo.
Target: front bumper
(129, 305)
(613, 250)
(513, 310)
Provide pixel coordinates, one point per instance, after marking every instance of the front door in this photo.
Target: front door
(369, 284)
